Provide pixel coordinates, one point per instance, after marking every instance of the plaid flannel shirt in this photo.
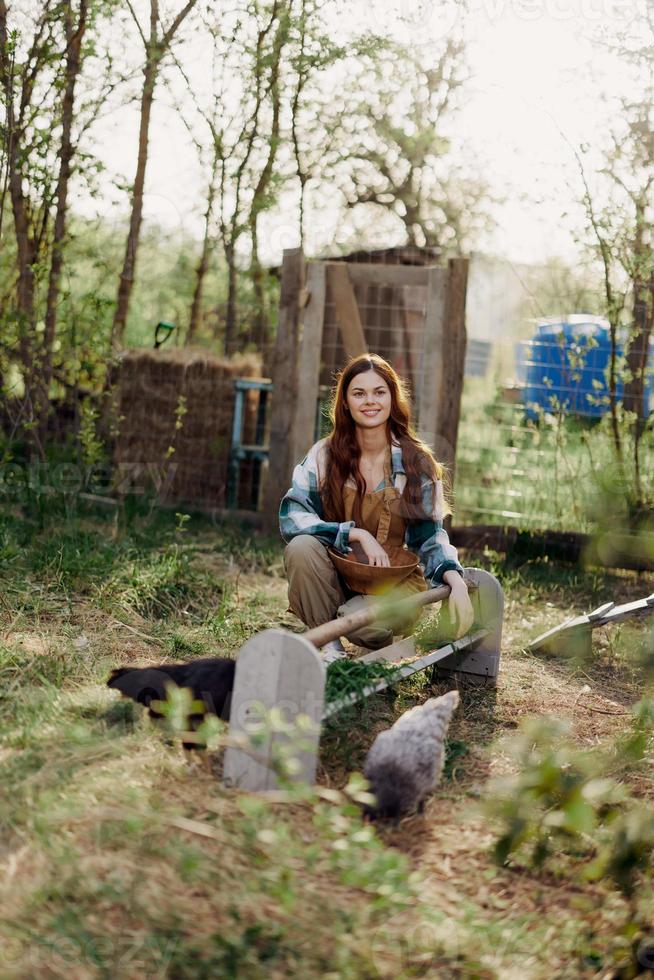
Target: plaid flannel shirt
(301, 513)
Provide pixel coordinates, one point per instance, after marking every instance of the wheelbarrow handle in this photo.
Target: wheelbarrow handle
(343, 625)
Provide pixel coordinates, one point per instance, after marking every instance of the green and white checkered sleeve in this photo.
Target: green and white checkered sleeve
(429, 540)
(301, 511)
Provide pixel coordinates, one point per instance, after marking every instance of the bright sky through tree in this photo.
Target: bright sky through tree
(539, 71)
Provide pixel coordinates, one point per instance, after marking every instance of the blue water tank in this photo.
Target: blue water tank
(567, 367)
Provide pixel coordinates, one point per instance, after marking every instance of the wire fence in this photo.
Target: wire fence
(535, 454)
(557, 471)
(534, 446)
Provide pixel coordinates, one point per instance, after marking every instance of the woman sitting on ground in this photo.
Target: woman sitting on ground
(371, 482)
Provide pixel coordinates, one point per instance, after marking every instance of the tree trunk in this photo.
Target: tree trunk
(260, 319)
(295, 109)
(7, 67)
(263, 184)
(74, 38)
(636, 354)
(231, 324)
(25, 247)
(201, 268)
(26, 255)
(155, 48)
(126, 280)
(203, 264)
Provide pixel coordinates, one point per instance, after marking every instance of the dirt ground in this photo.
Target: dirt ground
(79, 860)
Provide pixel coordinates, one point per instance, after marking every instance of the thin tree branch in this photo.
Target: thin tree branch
(172, 30)
(137, 22)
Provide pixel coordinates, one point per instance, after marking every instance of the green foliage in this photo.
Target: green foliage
(178, 706)
(246, 950)
(92, 448)
(73, 558)
(560, 800)
(180, 412)
(547, 799)
(633, 749)
(291, 738)
(30, 682)
(455, 749)
(357, 855)
(428, 634)
(628, 852)
(180, 646)
(162, 291)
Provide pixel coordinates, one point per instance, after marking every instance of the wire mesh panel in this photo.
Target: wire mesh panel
(392, 312)
(393, 319)
(555, 472)
(408, 311)
(538, 452)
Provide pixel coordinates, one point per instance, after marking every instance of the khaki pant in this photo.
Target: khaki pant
(317, 594)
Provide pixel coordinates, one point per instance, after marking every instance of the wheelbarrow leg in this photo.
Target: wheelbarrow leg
(274, 669)
(480, 663)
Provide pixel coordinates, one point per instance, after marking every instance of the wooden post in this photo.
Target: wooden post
(312, 319)
(429, 395)
(453, 355)
(444, 352)
(274, 669)
(295, 375)
(284, 379)
(347, 309)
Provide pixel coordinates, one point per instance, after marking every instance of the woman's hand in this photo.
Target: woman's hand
(371, 547)
(461, 612)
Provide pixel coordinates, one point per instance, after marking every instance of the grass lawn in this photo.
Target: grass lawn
(122, 857)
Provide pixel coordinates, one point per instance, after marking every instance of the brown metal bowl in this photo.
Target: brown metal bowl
(367, 579)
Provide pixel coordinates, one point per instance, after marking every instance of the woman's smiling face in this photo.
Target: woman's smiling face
(368, 399)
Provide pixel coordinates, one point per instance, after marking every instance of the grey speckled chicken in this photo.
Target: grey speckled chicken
(405, 762)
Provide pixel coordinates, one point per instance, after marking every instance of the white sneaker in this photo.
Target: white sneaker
(334, 650)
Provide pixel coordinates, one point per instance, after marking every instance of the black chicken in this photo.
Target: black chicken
(210, 681)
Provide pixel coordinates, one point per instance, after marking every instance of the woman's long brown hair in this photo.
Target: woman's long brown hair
(344, 451)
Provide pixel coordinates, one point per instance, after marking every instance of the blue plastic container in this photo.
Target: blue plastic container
(567, 367)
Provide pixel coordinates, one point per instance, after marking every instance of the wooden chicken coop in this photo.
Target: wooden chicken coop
(401, 304)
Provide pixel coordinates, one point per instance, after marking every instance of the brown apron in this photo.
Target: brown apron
(380, 517)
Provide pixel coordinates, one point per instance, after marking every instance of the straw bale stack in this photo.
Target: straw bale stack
(175, 421)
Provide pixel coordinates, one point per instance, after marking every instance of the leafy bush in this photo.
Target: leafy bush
(561, 800)
(552, 800)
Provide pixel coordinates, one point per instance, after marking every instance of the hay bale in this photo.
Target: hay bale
(175, 422)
